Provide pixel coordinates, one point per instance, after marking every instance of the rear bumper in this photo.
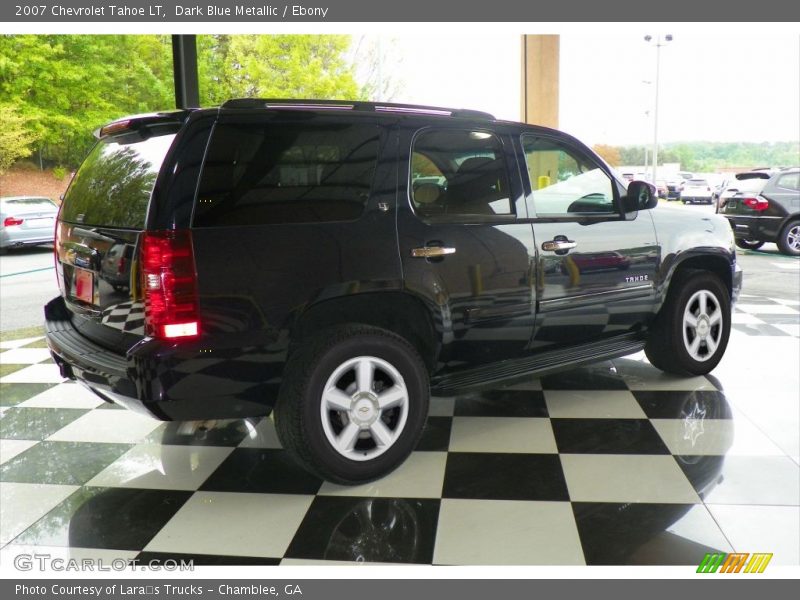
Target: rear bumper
(30, 237)
(170, 382)
(763, 228)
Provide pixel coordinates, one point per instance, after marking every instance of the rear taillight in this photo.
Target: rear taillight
(10, 221)
(758, 204)
(169, 282)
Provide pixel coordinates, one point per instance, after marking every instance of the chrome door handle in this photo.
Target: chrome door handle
(558, 245)
(431, 252)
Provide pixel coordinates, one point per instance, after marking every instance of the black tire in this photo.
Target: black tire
(789, 239)
(749, 244)
(297, 414)
(666, 346)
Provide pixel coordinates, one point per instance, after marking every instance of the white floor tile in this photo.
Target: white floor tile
(421, 476)
(714, 436)
(22, 504)
(24, 356)
(46, 373)
(10, 448)
(233, 524)
(66, 395)
(767, 309)
(112, 426)
(500, 532)
(502, 434)
(643, 376)
(766, 480)
(773, 529)
(153, 466)
(626, 478)
(588, 404)
(10, 344)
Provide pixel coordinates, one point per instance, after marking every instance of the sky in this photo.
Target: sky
(723, 88)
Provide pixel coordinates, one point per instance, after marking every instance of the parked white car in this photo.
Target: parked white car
(696, 190)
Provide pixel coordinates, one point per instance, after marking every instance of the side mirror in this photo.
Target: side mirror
(641, 196)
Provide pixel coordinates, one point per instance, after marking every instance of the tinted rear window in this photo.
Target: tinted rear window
(113, 186)
(286, 173)
(697, 182)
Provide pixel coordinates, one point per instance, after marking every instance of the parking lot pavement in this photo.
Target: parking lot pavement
(612, 463)
(27, 283)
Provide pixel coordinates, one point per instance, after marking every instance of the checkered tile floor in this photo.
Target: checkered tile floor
(615, 463)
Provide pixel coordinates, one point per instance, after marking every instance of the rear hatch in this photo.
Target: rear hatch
(99, 228)
(746, 185)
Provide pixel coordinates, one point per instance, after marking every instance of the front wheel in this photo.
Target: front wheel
(789, 239)
(749, 244)
(691, 332)
(353, 403)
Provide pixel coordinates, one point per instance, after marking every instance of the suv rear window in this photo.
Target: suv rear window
(113, 186)
(286, 173)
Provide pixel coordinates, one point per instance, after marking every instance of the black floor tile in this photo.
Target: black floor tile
(436, 435)
(18, 423)
(702, 404)
(223, 433)
(64, 463)
(492, 476)
(607, 436)
(161, 558)
(113, 518)
(636, 534)
(12, 394)
(261, 471)
(501, 403)
(598, 377)
(367, 530)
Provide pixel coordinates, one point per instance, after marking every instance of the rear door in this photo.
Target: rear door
(595, 266)
(102, 216)
(464, 242)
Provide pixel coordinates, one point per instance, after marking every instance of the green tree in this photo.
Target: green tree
(274, 66)
(15, 138)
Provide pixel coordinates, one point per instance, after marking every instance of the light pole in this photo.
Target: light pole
(659, 41)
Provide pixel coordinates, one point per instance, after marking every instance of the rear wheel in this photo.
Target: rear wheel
(789, 239)
(691, 332)
(353, 403)
(749, 244)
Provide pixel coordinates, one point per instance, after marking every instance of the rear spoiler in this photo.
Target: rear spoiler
(137, 122)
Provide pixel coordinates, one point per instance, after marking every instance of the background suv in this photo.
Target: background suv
(334, 262)
(765, 210)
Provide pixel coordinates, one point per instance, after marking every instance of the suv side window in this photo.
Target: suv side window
(790, 181)
(459, 175)
(286, 173)
(565, 183)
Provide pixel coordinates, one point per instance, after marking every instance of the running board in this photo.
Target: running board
(537, 364)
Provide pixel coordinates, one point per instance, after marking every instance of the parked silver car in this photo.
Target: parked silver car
(26, 221)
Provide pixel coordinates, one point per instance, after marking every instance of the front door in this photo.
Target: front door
(595, 265)
(465, 245)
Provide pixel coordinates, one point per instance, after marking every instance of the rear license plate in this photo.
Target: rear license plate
(84, 286)
(39, 222)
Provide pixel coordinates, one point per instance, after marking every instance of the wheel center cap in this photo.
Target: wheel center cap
(703, 327)
(364, 409)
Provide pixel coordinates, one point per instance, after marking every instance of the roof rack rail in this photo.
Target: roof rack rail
(357, 105)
